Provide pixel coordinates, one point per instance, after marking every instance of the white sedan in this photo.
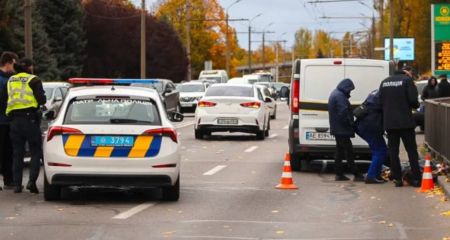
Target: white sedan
(272, 104)
(232, 108)
(112, 136)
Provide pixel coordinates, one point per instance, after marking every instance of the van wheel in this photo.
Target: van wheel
(51, 192)
(172, 193)
(300, 162)
(198, 134)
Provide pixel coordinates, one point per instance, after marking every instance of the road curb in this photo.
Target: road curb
(441, 181)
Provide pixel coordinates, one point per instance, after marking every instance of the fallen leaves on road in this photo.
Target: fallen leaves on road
(390, 225)
(280, 232)
(10, 218)
(445, 214)
(446, 238)
(275, 211)
(382, 222)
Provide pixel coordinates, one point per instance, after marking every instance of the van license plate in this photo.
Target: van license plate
(227, 121)
(319, 136)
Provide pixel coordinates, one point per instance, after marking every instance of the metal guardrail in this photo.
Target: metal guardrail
(437, 127)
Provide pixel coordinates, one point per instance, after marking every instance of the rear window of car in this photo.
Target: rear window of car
(229, 91)
(112, 110)
(191, 88)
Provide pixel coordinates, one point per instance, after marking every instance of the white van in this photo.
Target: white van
(312, 82)
(219, 76)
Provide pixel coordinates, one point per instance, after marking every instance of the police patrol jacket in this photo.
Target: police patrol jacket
(38, 92)
(398, 96)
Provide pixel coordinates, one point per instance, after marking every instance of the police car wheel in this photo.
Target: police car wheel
(266, 133)
(274, 116)
(51, 192)
(172, 193)
(199, 134)
(260, 135)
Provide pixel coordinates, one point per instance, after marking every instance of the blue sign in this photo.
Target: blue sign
(403, 49)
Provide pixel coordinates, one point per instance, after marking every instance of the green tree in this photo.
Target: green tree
(45, 64)
(63, 23)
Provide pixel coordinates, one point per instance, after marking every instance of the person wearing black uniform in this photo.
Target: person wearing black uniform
(443, 86)
(25, 96)
(7, 61)
(399, 97)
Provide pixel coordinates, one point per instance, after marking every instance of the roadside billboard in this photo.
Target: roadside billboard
(440, 39)
(403, 49)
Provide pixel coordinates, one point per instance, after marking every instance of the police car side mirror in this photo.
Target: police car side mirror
(50, 115)
(167, 91)
(175, 117)
(58, 99)
(268, 100)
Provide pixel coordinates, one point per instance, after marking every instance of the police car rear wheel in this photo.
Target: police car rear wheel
(51, 192)
(172, 193)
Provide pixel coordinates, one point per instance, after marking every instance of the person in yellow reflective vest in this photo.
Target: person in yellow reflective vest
(25, 96)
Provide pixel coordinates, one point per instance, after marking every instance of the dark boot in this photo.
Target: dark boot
(31, 186)
(18, 189)
(398, 183)
(373, 181)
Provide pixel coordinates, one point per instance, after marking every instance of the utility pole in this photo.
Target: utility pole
(227, 44)
(391, 30)
(381, 30)
(143, 47)
(188, 39)
(372, 39)
(250, 42)
(28, 31)
(264, 46)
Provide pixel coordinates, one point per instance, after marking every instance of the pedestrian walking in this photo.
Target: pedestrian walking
(369, 127)
(398, 97)
(7, 61)
(342, 128)
(443, 86)
(430, 91)
(25, 96)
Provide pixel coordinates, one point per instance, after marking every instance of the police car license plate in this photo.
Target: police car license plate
(324, 136)
(227, 121)
(112, 141)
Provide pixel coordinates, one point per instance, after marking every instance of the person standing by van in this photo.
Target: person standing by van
(369, 127)
(399, 97)
(443, 86)
(430, 91)
(342, 128)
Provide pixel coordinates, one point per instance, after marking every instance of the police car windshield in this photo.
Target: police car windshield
(49, 92)
(191, 88)
(111, 110)
(229, 91)
(158, 86)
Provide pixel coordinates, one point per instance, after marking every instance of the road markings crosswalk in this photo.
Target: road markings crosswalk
(133, 211)
(251, 149)
(214, 170)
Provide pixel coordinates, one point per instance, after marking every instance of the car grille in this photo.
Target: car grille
(189, 99)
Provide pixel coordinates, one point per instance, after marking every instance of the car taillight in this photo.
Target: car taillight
(295, 95)
(206, 104)
(167, 132)
(58, 130)
(251, 104)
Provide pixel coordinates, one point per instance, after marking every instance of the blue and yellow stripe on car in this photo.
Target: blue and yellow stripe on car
(80, 146)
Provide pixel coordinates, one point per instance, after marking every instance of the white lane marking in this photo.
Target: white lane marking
(133, 211)
(185, 124)
(214, 170)
(286, 127)
(217, 237)
(251, 149)
(273, 135)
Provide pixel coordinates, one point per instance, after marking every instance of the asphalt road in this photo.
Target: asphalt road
(228, 192)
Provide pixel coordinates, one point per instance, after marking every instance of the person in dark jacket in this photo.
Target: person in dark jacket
(342, 128)
(25, 96)
(398, 96)
(443, 86)
(7, 61)
(370, 128)
(430, 91)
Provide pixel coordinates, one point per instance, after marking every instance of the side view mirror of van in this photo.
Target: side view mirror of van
(284, 92)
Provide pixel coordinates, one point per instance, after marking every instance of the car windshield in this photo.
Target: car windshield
(229, 91)
(48, 92)
(191, 88)
(111, 110)
(158, 86)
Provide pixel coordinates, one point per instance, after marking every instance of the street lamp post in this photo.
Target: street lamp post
(227, 46)
(143, 47)
(250, 43)
(263, 45)
(276, 57)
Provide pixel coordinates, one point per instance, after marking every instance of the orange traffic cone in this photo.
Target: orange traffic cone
(427, 177)
(286, 181)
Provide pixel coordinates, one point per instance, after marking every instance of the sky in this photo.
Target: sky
(287, 16)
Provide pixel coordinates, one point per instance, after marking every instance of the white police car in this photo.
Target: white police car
(112, 136)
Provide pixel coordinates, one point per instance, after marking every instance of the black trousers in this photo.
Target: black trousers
(408, 137)
(6, 168)
(344, 150)
(24, 129)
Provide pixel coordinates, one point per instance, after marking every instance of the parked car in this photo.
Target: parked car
(191, 93)
(419, 114)
(167, 91)
(232, 108)
(272, 91)
(272, 105)
(55, 93)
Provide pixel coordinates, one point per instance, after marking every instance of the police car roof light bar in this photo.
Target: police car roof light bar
(110, 81)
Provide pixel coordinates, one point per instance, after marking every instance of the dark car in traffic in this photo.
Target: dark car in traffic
(167, 91)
